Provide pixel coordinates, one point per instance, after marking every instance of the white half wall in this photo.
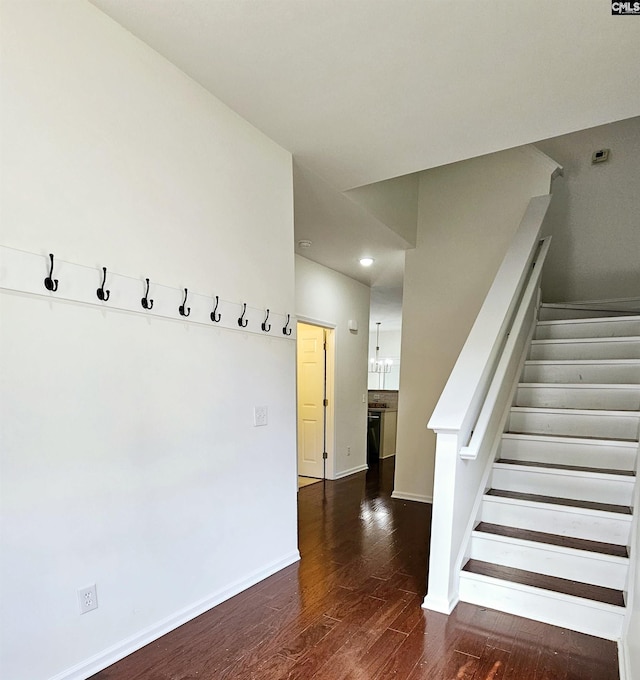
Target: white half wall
(128, 454)
(468, 213)
(595, 216)
(330, 298)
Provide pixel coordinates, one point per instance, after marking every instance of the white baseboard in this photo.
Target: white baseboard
(132, 644)
(352, 471)
(406, 496)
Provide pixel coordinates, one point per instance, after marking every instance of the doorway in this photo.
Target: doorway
(315, 353)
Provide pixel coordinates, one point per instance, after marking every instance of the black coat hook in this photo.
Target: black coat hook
(50, 283)
(284, 328)
(266, 328)
(242, 322)
(145, 302)
(184, 307)
(215, 317)
(101, 292)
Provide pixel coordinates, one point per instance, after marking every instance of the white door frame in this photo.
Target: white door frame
(331, 362)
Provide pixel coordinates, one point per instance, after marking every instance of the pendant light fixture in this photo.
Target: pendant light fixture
(378, 365)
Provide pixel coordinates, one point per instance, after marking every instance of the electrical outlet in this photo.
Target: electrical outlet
(88, 599)
(348, 450)
(259, 416)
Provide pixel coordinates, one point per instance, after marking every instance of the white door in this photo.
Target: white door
(311, 391)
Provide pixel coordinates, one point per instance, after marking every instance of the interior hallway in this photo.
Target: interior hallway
(351, 609)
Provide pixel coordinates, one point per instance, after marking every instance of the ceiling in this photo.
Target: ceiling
(368, 90)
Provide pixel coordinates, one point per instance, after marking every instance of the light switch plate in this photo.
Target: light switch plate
(259, 416)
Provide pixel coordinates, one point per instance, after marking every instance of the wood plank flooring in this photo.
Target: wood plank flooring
(350, 610)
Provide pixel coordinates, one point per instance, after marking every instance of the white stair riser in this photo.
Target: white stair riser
(606, 372)
(623, 398)
(604, 328)
(599, 489)
(552, 608)
(604, 527)
(587, 567)
(575, 424)
(603, 349)
(552, 313)
(616, 456)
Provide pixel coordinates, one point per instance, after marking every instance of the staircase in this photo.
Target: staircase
(554, 525)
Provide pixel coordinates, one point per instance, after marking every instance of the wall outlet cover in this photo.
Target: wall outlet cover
(88, 598)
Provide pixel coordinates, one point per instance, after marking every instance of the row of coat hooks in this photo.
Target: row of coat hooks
(103, 295)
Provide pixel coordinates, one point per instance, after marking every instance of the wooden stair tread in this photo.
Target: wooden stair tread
(590, 505)
(591, 362)
(582, 386)
(560, 466)
(582, 436)
(553, 539)
(553, 583)
(623, 315)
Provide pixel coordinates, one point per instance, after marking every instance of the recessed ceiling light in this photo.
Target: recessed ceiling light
(304, 243)
(366, 261)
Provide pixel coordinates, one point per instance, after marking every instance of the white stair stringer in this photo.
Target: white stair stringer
(558, 609)
(553, 528)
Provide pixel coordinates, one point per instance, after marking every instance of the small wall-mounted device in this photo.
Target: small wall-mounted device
(353, 325)
(600, 156)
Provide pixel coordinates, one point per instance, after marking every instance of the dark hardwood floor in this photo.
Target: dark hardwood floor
(351, 610)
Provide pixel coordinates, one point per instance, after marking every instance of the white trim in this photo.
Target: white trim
(135, 642)
(624, 665)
(315, 322)
(624, 657)
(552, 166)
(406, 496)
(351, 471)
(436, 604)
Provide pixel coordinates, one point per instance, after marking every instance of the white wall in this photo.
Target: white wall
(128, 455)
(468, 213)
(330, 298)
(594, 217)
(390, 344)
(394, 202)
